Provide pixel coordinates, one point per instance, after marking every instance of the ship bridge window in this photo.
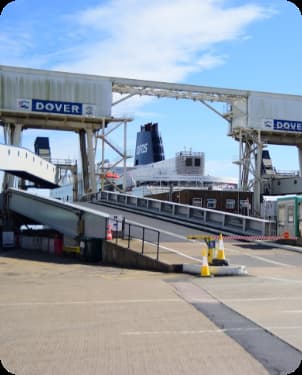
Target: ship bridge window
(197, 162)
(189, 162)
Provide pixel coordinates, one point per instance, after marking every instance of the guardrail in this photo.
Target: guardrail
(130, 232)
(202, 217)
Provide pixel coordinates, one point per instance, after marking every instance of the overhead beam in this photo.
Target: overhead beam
(175, 90)
(33, 120)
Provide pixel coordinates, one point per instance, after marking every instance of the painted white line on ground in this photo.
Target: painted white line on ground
(261, 299)
(168, 248)
(290, 281)
(292, 311)
(162, 231)
(284, 327)
(260, 258)
(180, 253)
(175, 252)
(203, 331)
(284, 247)
(195, 259)
(198, 332)
(104, 302)
(270, 261)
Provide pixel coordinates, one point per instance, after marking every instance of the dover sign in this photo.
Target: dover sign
(49, 106)
(283, 125)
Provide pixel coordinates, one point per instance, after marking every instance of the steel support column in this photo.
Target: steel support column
(82, 137)
(125, 158)
(300, 159)
(91, 161)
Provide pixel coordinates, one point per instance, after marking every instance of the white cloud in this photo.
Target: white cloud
(11, 48)
(224, 168)
(159, 40)
(163, 40)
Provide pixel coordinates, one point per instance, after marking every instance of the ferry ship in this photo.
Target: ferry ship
(152, 173)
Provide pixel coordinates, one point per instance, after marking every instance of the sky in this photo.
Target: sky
(242, 44)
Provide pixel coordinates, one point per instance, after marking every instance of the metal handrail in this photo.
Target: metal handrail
(140, 232)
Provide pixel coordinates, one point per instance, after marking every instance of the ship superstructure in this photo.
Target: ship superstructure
(152, 173)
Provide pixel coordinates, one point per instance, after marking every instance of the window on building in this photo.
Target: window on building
(197, 162)
(290, 214)
(197, 202)
(244, 203)
(211, 203)
(230, 204)
(281, 214)
(188, 162)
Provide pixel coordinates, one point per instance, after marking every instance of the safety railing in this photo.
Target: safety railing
(202, 217)
(135, 237)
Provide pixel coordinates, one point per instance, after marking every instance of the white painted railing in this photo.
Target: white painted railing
(202, 217)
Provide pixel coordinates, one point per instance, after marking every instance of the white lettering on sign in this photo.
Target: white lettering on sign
(290, 126)
(50, 106)
(142, 149)
(75, 109)
(56, 107)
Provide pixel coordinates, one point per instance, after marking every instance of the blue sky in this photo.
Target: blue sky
(242, 44)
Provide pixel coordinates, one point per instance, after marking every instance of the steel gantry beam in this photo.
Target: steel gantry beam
(247, 112)
(175, 90)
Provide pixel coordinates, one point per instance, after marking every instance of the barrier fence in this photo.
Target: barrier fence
(243, 238)
(204, 218)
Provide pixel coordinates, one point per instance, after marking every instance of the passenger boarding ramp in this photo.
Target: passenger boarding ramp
(69, 219)
(28, 166)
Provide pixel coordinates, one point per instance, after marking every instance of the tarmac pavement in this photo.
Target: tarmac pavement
(61, 317)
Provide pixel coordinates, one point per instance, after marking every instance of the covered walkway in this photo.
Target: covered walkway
(23, 163)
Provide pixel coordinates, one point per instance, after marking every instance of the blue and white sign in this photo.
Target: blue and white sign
(288, 126)
(282, 125)
(56, 107)
(141, 149)
(24, 104)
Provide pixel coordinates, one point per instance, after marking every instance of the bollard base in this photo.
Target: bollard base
(220, 262)
(235, 270)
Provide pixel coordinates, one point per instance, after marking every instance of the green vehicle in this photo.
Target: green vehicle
(289, 216)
